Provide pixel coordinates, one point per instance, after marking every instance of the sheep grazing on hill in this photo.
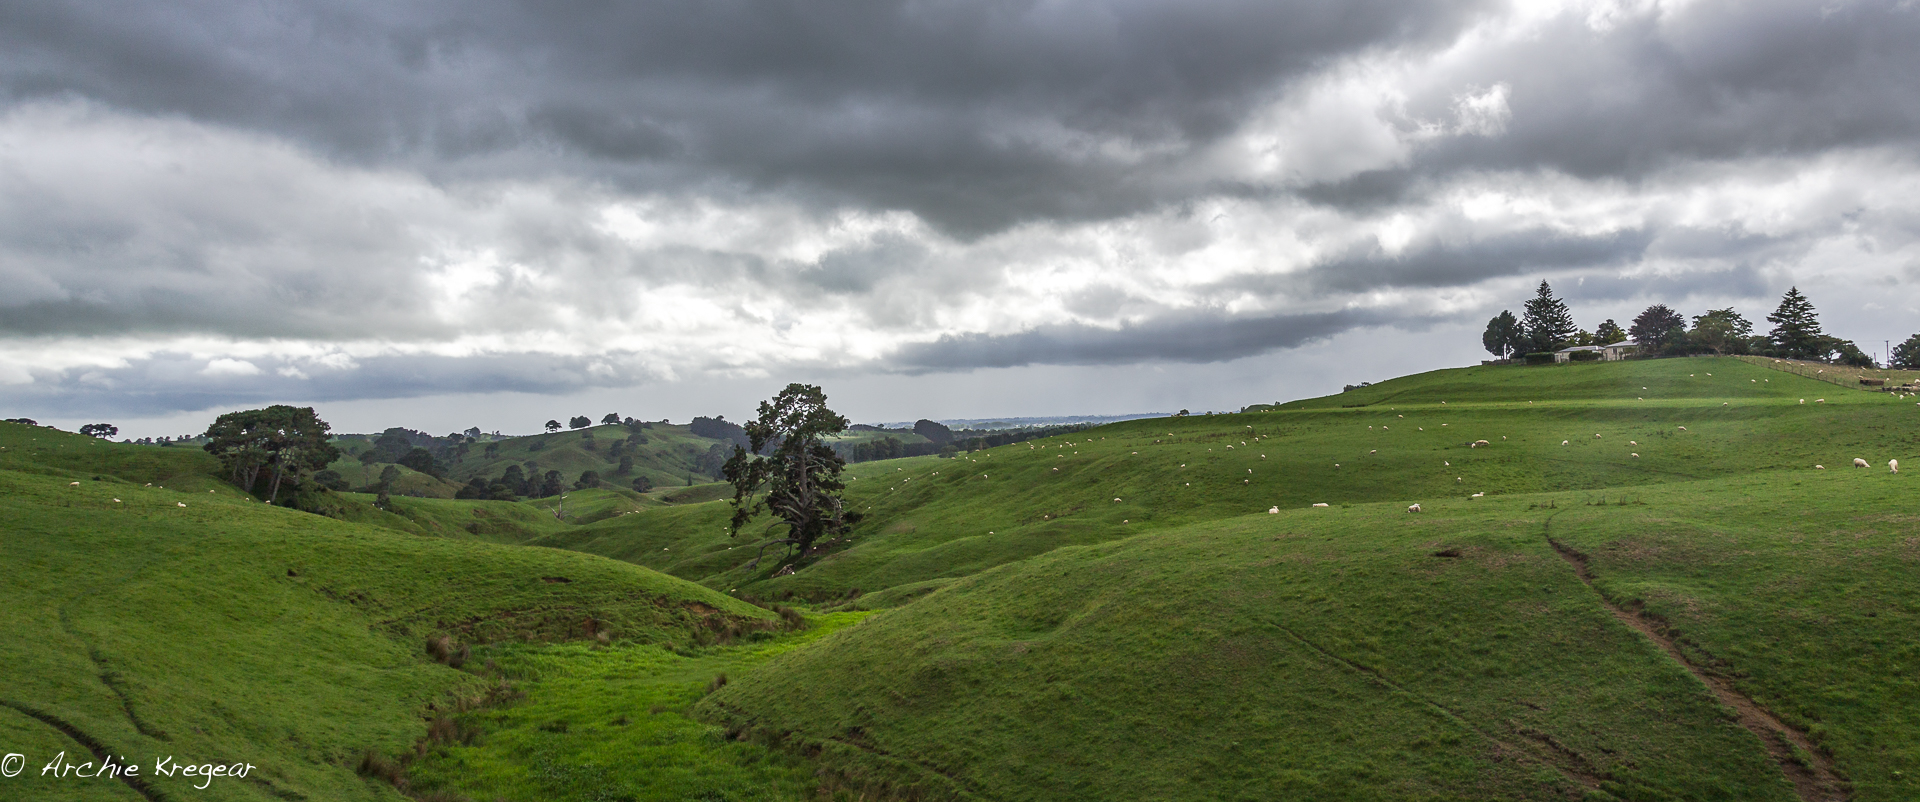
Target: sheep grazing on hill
(1634, 455)
(1478, 443)
(1819, 400)
(1273, 510)
(1859, 463)
(1683, 428)
(1803, 400)
(1893, 466)
(1321, 504)
(1596, 437)
(1819, 467)
(73, 484)
(1564, 442)
(1374, 451)
(1414, 508)
(1478, 495)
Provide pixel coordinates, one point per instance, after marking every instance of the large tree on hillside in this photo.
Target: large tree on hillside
(1503, 337)
(280, 440)
(1796, 328)
(1548, 324)
(1722, 330)
(1609, 333)
(1655, 328)
(799, 482)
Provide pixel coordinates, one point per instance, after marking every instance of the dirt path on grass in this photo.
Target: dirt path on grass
(1809, 769)
(99, 750)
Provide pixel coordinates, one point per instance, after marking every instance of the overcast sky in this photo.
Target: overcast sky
(441, 215)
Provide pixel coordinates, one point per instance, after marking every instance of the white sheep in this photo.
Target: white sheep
(1819, 467)
(1414, 508)
(1683, 428)
(1563, 442)
(1893, 466)
(1481, 443)
(1819, 400)
(1859, 463)
(1633, 442)
(1273, 510)
(1634, 455)
(73, 484)
(1477, 495)
(1374, 451)
(1596, 437)
(1321, 504)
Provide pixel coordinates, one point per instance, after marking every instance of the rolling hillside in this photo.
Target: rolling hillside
(149, 610)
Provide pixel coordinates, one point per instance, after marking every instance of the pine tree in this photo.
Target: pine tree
(1906, 356)
(1796, 327)
(1548, 324)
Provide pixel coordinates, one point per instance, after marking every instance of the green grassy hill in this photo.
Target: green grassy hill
(147, 609)
(1116, 610)
(1657, 596)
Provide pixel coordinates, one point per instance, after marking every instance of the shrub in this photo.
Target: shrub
(792, 617)
(374, 764)
(1540, 358)
(719, 681)
(1586, 356)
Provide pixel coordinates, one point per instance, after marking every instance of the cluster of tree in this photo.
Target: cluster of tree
(719, 428)
(24, 421)
(1547, 326)
(515, 483)
(261, 449)
(1659, 330)
(100, 430)
(953, 442)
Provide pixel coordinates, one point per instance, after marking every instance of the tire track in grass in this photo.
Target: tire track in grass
(1568, 762)
(99, 750)
(1805, 766)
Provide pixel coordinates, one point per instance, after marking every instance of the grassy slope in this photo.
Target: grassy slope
(1219, 658)
(933, 520)
(666, 458)
(228, 630)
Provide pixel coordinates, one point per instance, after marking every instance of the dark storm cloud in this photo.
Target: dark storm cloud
(1180, 337)
(171, 382)
(974, 115)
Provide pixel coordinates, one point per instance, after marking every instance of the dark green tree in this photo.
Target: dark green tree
(388, 476)
(588, 480)
(642, 484)
(799, 482)
(553, 426)
(367, 459)
(1723, 331)
(1548, 324)
(626, 465)
(579, 422)
(1503, 337)
(552, 485)
(421, 460)
(1906, 356)
(280, 440)
(1609, 333)
(1796, 328)
(101, 430)
(1656, 327)
(611, 418)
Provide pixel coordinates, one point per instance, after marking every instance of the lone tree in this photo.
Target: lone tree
(279, 440)
(101, 430)
(1796, 328)
(553, 426)
(1503, 336)
(1906, 356)
(800, 480)
(1549, 325)
(1655, 328)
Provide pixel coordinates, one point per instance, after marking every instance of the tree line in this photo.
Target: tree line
(1547, 326)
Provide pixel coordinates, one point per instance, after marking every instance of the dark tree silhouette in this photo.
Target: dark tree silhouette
(1796, 328)
(102, 430)
(799, 482)
(281, 440)
(1906, 356)
(1548, 325)
(1503, 336)
(553, 426)
(1656, 327)
(611, 418)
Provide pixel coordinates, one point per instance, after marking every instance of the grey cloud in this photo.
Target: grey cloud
(1202, 337)
(967, 113)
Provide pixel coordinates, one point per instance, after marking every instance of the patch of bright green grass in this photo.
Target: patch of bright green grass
(600, 723)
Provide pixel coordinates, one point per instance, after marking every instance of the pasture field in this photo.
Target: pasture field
(1656, 595)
